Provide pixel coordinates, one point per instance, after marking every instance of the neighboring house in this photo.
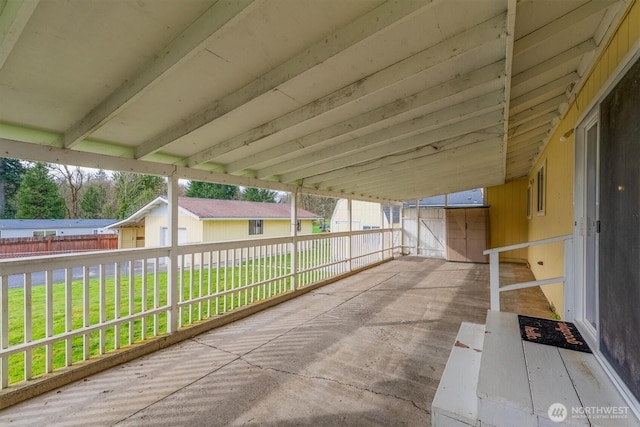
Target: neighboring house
(365, 216)
(210, 220)
(15, 228)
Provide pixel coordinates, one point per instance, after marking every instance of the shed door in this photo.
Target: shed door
(467, 234)
(432, 232)
(456, 235)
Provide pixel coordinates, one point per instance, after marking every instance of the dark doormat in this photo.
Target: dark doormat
(552, 332)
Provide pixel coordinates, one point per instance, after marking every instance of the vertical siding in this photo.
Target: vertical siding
(508, 218)
(560, 160)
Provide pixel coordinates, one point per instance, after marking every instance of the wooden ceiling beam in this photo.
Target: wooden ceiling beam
(185, 46)
(13, 19)
(433, 127)
(376, 20)
(563, 23)
(461, 44)
(487, 79)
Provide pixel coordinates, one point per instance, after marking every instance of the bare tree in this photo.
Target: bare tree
(319, 205)
(72, 181)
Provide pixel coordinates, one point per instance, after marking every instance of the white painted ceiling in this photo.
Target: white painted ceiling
(382, 100)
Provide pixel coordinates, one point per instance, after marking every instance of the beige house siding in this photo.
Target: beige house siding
(365, 214)
(223, 230)
(157, 219)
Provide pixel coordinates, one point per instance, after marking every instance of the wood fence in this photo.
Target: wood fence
(33, 246)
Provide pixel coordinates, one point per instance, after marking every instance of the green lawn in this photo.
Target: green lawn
(134, 295)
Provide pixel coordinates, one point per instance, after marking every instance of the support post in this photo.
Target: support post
(293, 201)
(350, 247)
(494, 280)
(382, 232)
(417, 249)
(569, 282)
(172, 265)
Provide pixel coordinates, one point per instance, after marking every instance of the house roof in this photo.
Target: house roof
(238, 209)
(213, 209)
(373, 100)
(54, 224)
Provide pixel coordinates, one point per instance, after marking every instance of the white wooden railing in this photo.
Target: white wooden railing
(494, 271)
(60, 310)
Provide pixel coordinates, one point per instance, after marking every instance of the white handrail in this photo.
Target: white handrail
(527, 244)
(494, 271)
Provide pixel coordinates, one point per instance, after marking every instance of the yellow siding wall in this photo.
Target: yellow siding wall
(560, 160)
(508, 217)
(223, 230)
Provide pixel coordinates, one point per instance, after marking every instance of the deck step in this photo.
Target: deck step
(455, 403)
(519, 381)
(504, 397)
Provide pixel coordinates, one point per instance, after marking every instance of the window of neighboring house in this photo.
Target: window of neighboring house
(529, 201)
(44, 233)
(299, 225)
(541, 182)
(255, 227)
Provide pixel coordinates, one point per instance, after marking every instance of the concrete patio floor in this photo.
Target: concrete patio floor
(367, 350)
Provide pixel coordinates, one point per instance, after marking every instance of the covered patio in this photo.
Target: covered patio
(380, 101)
(366, 350)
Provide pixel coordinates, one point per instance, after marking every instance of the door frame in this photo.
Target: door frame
(591, 112)
(581, 226)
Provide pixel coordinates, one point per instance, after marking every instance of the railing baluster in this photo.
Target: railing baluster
(28, 301)
(49, 320)
(253, 271)
(246, 276)
(217, 282)
(156, 295)
(191, 295)
(117, 307)
(86, 294)
(209, 281)
(200, 283)
(181, 290)
(143, 332)
(4, 330)
(103, 307)
(224, 276)
(233, 279)
(68, 312)
(132, 284)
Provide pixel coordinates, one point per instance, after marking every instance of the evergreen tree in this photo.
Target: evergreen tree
(209, 190)
(93, 202)
(38, 197)
(11, 174)
(251, 194)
